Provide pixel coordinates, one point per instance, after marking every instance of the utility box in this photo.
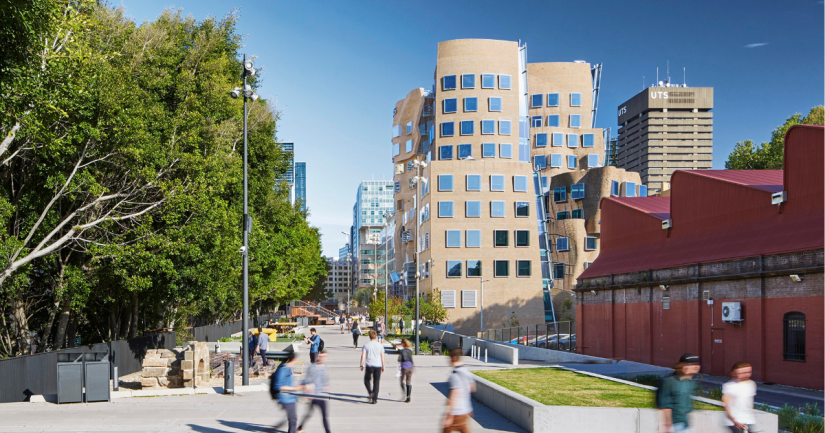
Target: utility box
(732, 312)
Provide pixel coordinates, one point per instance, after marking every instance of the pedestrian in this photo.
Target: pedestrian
(251, 347)
(356, 332)
(317, 381)
(314, 341)
(263, 345)
(459, 404)
(283, 382)
(401, 324)
(405, 360)
(379, 329)
(343, 322)
(675, 392)
(737, 396)
(372, 364)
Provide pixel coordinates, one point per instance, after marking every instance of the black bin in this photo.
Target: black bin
(228, 377)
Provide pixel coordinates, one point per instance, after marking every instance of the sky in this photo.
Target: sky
(335, 69)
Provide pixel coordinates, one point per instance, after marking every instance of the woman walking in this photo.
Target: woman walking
(405, 359)
(356, 332)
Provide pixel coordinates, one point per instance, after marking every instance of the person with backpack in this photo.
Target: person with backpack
(315, 344)
(737, 396)
(674, 396)
(317, 381)
(405, 360)
(252, 345)
(459, 402)
(280, 382)
(372, 364)
(356, 332)
(379, 329)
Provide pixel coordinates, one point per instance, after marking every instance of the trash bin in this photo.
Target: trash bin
(228, 377)
(69, 377)
(96, 376)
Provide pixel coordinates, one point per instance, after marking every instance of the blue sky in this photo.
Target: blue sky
(336, 68)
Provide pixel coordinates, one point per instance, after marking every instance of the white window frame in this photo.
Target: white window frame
(575, 140)
(524, 178)
(472, 301)
(566, 244)
(467, 237)
(447, 239)
(468, 75)
(441, 210)
(509, 84)
(516, 207)
(495, 150)
(515, 239)
(533, 100)
(574, 187)
(558, 121)
(396, 149)
(482, 81)
(488, 133)
(595, 239)
(590, 162)
(571, 99)
(509, 127)
(503, 187)
(502, 146)
(517, 269)
(409, 146)
(444, 82)
(577, 116)
(467, 182)
(490, 104)
(444, 176)
(575, 161)
(592, 138)
(558, 99)
(503, 208)
(448, 298)
(555, 156)
(545, 139)
(444, 105)
(464, 104)
(534, 123)
(466, 214)
(560, 141)
(441, 129)
(461, 127)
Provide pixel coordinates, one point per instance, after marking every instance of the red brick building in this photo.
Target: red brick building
(669, 265)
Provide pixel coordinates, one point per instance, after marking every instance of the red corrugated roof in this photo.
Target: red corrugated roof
(766, 180)
(658, 207)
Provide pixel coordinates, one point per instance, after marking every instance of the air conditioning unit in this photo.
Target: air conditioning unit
(779, 197)
(666, 224)
(732, 312)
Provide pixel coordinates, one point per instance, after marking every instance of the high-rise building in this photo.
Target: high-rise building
(664, 128)
(338, 280)
(373, 200)
(289, 176)
(343, 252)
(301, 184)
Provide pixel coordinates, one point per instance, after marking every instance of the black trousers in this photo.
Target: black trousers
(322, 405)
(373, 373)
(313, 357)
(355, 339)
(263, 357)
(291, 416)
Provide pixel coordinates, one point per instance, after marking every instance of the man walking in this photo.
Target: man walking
(379, 329)
(737, 396)
(459, 404)
(314, 341)
(317, 381)
(252, 345)
(372, 356)
(282, 383)
(674, 396)
(263, 345)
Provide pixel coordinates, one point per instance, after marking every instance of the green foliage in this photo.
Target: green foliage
(709, 391)
(431, 308)
(512, 321)
(319, 290)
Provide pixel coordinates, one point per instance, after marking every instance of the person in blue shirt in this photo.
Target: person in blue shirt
(253, 343)
(283, 383)
(314, 342)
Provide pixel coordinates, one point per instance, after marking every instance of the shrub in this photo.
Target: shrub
(648, 379)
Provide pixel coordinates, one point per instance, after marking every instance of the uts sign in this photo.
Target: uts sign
(622, 110)
(658, 95)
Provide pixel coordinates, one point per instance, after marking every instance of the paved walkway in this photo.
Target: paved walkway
(255, 411)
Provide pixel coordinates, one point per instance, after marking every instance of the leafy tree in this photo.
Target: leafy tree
(431, 308)
(362, 297)
(319, 291)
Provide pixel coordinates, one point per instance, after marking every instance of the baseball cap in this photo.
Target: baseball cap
(689, 358)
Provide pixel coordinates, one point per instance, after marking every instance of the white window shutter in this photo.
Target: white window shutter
(469, 298)
(448, 298)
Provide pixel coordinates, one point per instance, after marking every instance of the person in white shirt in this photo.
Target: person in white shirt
(737, 396)
(372, 357)
(459, 404)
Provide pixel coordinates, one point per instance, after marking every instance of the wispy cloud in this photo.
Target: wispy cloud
(759, 44)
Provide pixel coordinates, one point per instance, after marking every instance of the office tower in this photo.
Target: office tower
(664, 128)
(338, 278)
(343, 252)
(301, 184)
(289, 176)
(373, 200)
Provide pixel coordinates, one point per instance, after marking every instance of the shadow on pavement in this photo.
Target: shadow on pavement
(482, 414)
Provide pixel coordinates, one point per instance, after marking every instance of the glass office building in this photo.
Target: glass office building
(301, 184)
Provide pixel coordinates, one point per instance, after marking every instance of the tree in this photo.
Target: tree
(431, 308)
(769, 156)
(319, 291)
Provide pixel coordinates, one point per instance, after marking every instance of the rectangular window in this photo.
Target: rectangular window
(562, 244)
(496, 182)
(630, 189)
(504, 82)
(467, 127)
(577, 191)
(448, 82)
(642, 191)
(540, 162)
(575, 99)
(448, 296)
(502, 268)
(522, 238)
(445, 152)
(522, 209)
(396, 131)
(520, 183)
(409, 128)
(558, 139)
(558, 271)
(555, 160)
(593, 160)
(445, 182)
(560, 194)
(396, 149)
(505, 150)
(494, 104)
(572, 140)
(588, 140)
(450, 105)
(577, 214)
(468, 297)
(614, 188)
(497, 209)
(409, 146)
(453, 269)
(470, 104)
(535, 122)
(523, 268)
(445, 209)
(473, 238)
(571, 161)
(453, 238)
(562, 215)
(447, 129)
(473, 268)
(472, 209)
(425, 187)
(553, 120)
(501, 238)
(552, 99)
(575, 120)
(488, 150)
(504, 127)
(488, 81)
(468, 81)
(488, 127)
(541, 139)
(473, 182)
(537, 101)
(590, 244)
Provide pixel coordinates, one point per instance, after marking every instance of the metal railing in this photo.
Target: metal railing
(554, 336)
(315, 309)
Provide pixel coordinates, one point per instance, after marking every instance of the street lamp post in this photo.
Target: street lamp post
(246, 90)
(349, 263)
(386, 267)
(418, 166)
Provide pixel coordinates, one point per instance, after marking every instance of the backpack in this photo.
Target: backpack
(274, 391)
(320, 344)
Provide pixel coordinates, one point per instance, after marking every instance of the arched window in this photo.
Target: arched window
(793, 336)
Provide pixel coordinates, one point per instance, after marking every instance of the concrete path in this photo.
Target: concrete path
(255, 411)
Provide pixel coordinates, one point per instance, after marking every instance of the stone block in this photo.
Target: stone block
(149, 382)
(188, 383)
(152, 353)
(163, 381)
(187, 374)
(154, 362)
(175, 382)
(166, 353)
(154, 371)
(189, 355)
(187, 365)
(173, 362)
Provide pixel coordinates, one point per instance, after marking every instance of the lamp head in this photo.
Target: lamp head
(249, 68)
(235, 93)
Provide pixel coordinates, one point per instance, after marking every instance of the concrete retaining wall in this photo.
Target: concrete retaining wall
(539, 354)
(502, 352)
(495, 350)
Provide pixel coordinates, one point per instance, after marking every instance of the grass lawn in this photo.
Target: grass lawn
(555, 387)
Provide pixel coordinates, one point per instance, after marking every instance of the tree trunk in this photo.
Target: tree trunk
(134, 324)
(21, 326)
(63, 322)
(47, 334)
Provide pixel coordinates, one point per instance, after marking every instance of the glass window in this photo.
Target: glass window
(577, 191)
(497, 209)
(453, 268)
(473, 238)
(589, 243)
(793, 336)
(630, 189)
(520, 183)
(445, 152)
(396, 149)
(396, 131)
(552, 99)
(553, 120)
(535, 122)
(447, 129)
(588, 140)
(541, 139)
(467, 127)
(473, 268)
(593, 161)
(488, 81)
(450, 105)
(540, 161)
(642, 191)
(409, 128)
(488, 150)
(488, 127)
(522, 209)
(445, 182)
(504, 127)
(571, 161)
(473, 182)
(448, 82)
(577, 214)
(522, 238)
(502, 268)
(471, 104)
(453, 238)
(562, 215)
(575, 120)
(614, 188)
(575, 99)
(501, 238)
(472, 209)
(496, 182)
(409, 145)
(572, 140)
(465, 150)
(562, 244)
(560, 194)
(537, 101)
(544, 181)
(504, 82)
(555, 160)
(558, 271)
(445, 209)
(468, 81)
(523, 268)
(494, 104)
(505, 150)
(558, 139)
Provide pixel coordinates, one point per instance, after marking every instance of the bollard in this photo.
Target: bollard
(115, 381)
(485, 355)
(473, 352)
(228, 377)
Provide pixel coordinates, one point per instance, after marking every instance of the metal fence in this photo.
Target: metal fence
(217, 331)
(554, 335)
